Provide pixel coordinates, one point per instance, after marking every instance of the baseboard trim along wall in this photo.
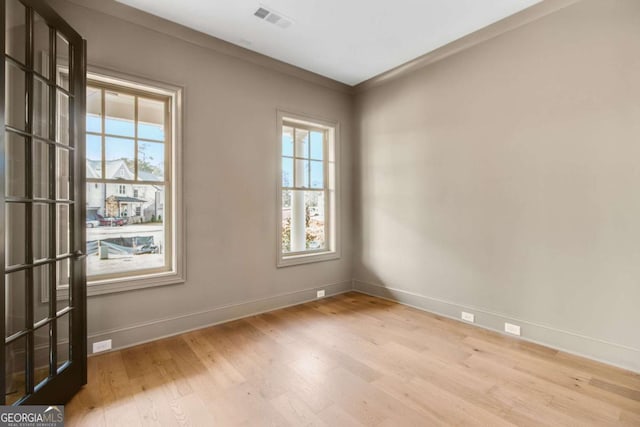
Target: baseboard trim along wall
(162, 328)
(592, 348)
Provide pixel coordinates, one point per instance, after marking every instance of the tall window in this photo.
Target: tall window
(307, 208)
(129, 144)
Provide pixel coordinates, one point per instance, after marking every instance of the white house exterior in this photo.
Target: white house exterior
(136, 202)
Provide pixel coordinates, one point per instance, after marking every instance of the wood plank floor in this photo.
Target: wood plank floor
(351, 360)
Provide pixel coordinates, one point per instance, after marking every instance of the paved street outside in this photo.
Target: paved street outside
(120, 263)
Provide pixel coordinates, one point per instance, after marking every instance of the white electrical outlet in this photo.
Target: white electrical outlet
(469, 317)
(512, 329)
(101, 346)
(320, 294)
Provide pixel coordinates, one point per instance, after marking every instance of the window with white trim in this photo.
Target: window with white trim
(131, 171)
(307, 219)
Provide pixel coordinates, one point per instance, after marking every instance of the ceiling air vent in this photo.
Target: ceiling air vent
(273, 17)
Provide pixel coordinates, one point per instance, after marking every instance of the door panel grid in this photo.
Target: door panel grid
(43, 94)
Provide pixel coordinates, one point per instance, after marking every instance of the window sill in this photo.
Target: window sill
(288, 261)
(109, 286)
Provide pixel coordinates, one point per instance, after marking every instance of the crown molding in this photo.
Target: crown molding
(524, 17)
(161, 25)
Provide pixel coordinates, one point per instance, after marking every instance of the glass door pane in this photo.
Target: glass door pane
(15, 32)
(15, 372)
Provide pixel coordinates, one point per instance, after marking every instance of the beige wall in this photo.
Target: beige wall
(230, 167)
(506, 178)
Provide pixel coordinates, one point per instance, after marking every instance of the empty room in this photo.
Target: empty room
(331, 213)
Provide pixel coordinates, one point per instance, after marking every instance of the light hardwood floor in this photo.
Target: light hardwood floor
(351, 360)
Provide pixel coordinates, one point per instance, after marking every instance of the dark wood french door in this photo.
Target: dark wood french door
(43, 319)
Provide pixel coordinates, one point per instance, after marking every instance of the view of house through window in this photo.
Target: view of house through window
(128, 181)
(308, 168)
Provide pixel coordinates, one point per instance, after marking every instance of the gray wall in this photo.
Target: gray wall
(500, 179)
(505, 179)
(229, 152)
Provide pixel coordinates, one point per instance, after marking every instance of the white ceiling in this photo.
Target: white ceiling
(346, 40)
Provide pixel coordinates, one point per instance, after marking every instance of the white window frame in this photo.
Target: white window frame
(176, 273)
(332, 227)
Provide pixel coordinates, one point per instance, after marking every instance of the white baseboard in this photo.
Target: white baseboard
(570, 342)
(163, 328)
